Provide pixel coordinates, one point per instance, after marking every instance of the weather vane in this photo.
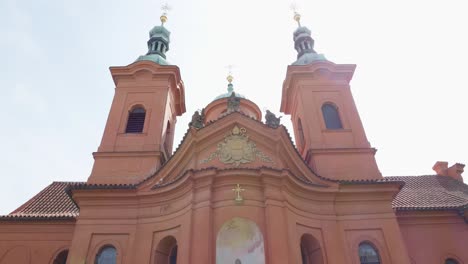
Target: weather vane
(165, 8)
(297, 16)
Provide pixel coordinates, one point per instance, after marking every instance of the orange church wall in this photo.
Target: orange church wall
(129, 157)
(33, 242)
(193, 210)
(368, 218)
(352, 163)
(433, 236)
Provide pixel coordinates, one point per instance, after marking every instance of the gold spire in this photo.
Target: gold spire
(165, 8)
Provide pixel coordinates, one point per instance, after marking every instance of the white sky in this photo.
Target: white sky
(409, 86)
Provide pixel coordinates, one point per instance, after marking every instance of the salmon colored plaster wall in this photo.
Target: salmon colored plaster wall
(129, 157)
(218, 108)
(33, 242)
(305, 90)
(193, 209)
(432, 237)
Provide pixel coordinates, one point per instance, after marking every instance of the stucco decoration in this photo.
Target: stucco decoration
(233, 103)
(271, 119)
(236, 149)
(240, 241)
(198, 118)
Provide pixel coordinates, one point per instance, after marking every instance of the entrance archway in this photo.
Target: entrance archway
(311, 252)
(240, 241)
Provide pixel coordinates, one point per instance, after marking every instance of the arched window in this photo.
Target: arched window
(311, 252)
(136, 120)
(61, 258)
(331, 116)
(168, 139)
(300, 131)
(166, 251)
(451, 261)
(368, 254)
(173, 255)
(106, 255)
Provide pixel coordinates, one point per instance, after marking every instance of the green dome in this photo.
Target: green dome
(156, 58)
(301, 30)
(304, 45)
(160, 31)
(158, 45)
(229, 93)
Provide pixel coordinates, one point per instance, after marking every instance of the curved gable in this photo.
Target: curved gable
(235, 142)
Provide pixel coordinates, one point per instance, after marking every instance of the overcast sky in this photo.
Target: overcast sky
(409, 86)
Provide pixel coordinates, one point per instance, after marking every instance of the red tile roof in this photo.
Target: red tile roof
(51, 203)
(430, 192)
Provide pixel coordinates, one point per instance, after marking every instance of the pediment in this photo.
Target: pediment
(234, 142)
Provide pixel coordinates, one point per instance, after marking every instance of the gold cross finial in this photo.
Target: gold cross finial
(165, 8)
(229, 78)
(297, 16)
(238, 191)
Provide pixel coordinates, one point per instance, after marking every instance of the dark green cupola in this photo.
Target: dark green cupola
(158, 43)
(304, 45)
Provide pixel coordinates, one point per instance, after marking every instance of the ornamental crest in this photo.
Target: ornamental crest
(237, 149)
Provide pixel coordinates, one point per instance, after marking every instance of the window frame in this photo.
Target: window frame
(449, 256)
(373, 246)
(338, 115)
(101, 249)
(130, 112)
(58, 252)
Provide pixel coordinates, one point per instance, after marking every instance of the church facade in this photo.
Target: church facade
(237, 190)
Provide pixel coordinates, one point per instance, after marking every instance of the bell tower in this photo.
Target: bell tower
(138, 136)
(327, 127)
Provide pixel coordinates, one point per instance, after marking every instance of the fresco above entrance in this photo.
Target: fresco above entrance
(240, 241)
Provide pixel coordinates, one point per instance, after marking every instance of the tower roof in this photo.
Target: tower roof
(304, 45)
(158, 43)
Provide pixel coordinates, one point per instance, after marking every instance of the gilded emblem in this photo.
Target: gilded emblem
(237, 149)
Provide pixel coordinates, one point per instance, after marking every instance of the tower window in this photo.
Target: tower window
(331, 116)
(136, 120)
(168, 139)
(300, 132)
(368, 254)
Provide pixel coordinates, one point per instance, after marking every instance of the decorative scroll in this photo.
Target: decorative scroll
(237, 149)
